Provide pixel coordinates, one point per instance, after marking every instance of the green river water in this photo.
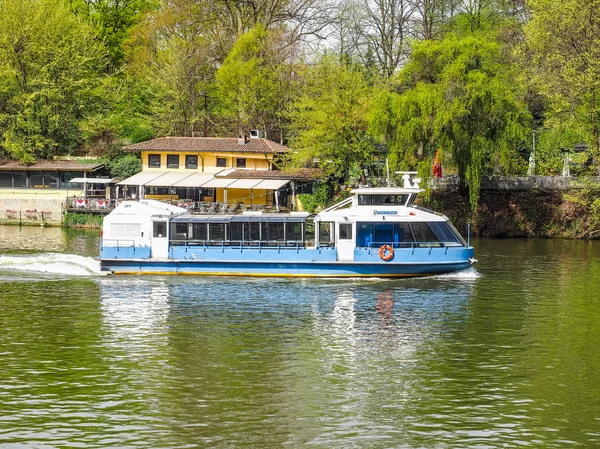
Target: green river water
(501, 357)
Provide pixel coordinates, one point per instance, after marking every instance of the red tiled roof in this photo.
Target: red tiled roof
(223, 144)
(301, 174)
(49, 165)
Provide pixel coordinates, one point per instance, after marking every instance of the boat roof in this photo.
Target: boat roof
(147, 207)
(386, 190)
(293, 217)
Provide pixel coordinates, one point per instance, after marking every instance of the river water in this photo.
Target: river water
(506, 355)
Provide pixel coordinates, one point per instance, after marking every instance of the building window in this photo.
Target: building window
(240, 163)
(154, 160)
(6, 179)
(221, 162)
(37, 180)
(172, 161)
(19, 179)
(191, 161)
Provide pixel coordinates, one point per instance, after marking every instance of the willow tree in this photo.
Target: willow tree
(459, 96)
(49, 78)
(564, 40)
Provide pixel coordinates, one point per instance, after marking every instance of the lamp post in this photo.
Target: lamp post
(531, 167)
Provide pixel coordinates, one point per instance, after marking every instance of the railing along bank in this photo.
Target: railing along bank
(518, 182)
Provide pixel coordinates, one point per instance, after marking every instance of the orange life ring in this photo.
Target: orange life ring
(386, 249)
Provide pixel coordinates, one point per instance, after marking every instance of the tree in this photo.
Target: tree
(564, 40)
(386, 29)
(113, 21)
(253, 81)
(455, 95)
(329, 121)
(173, 55)
(49, 78)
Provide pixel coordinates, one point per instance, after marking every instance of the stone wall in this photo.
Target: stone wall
(32, 207)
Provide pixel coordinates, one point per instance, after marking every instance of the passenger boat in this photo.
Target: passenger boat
(377, 232)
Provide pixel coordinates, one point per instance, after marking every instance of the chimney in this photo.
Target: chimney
(242, 140)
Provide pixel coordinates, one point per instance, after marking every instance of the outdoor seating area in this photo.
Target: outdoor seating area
(90, 204)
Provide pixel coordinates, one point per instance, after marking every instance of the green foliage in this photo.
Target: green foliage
(112, 21)
(252, 83)
(124, 165)
(455, 95)
(49, 66)
(313, 202)
(563, 39)
(73, 219)
(329, 121)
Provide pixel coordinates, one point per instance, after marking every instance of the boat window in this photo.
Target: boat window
(125, 230)
(198, 231)
(179, 231)
(272, 231)
(423, 233)
(159, 229)
(326, 233)
(446, 234)
(235, 231)
(404, 232)
(294, 231)
(382, 200)
(379, 233)
(345, 231)
(251, 231)
(216, 231)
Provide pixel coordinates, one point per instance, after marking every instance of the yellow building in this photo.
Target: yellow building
(203, 170)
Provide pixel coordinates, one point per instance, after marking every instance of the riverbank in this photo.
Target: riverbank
(68, 220)
(572, 214)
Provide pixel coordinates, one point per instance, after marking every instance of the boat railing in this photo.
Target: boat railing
(424, 209)
(118, 243)
(407, 245)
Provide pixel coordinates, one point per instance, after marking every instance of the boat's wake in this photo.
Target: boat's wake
(469, 273)
(52, 263)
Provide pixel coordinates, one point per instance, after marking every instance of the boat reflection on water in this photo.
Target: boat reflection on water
(385, 307)
(135, 314)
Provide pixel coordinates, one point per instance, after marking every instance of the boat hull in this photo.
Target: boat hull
(280, 269)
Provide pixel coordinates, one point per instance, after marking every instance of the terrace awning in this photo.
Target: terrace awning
(219, 182)
(244, 183)
(92, 180)
(195, 180)
(169, 179)
(271, 184)
(142, 178)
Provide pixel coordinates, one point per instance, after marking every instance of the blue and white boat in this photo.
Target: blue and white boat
(377, 232)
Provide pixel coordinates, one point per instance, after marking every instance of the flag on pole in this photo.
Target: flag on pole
(437, 165)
